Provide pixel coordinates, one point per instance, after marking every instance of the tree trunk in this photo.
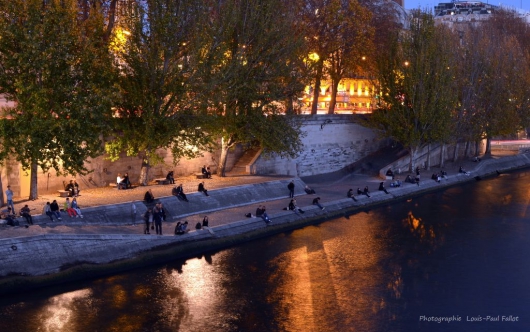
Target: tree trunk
(488, 147)
(455, 153)
(316, 91)
(144, 172)
(33, 188)
(442, 155)
(466, 151)
(412, 154)
(226, 143)
(428, 163)
(1, 190)
(333, 101)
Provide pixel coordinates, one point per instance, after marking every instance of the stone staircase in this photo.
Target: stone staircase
(240, 167)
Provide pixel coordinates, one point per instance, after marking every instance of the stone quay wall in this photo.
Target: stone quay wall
(29, 262)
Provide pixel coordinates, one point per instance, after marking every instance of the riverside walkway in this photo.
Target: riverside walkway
(110, 238)
(328, 188)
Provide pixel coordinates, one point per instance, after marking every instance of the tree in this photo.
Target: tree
(352, 41)
(156, 108)
(250, 51)
(494, 79)
(417, 86)
(58, 71)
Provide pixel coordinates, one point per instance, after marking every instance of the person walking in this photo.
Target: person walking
(147, 217)
(9, 197)
(290, 186)
(157, 218)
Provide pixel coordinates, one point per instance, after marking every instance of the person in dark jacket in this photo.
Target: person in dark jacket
(202, 189)
(290, 186)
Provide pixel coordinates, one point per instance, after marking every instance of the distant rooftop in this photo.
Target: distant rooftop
(464, 8)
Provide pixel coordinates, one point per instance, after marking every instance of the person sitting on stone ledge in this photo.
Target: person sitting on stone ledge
(382, 187)
(181, 228)
(206, 172)
(202, 189)
(170, 177)
(70, 188)
(409, 179)
(395, 183)
(149, 197)
(359, 191)
(366, 192)
(205, 221)
(26, 213)
(349, 194)
(294, 207)
(390, 173)
(463, 171)
(179, 192)
(264, 214)
(316, 202)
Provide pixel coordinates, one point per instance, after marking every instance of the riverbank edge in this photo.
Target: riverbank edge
(78, 271)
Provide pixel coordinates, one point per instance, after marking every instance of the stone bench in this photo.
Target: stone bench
(63, 193)
(199, 175)
(162, 181)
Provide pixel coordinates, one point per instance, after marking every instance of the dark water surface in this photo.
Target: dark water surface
(461, 253)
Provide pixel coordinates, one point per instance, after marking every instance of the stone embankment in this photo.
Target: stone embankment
(33, 261)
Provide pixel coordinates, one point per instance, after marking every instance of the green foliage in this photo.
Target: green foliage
(155, 108)
(248, 56)
(58, 72)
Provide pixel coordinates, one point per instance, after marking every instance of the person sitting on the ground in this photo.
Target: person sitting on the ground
(443, 173)
(382, 187)
(366, 192)
(390, 173)
(179, 192)
(205, 221)
(149, 197)
(316, 202)
(206, 172)
(434, 176)
(349, 194)
(359, 191)
(463, 171)
(70, 188)
(309, 191)
(476, 159)
(202, 189)
(294, 207)
(409, 179)
(76, 208)
(25, 212)
(170, 177)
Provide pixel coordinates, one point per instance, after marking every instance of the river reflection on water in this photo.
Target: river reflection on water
(462, 252)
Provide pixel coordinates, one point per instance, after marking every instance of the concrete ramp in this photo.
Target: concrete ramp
(198, 203)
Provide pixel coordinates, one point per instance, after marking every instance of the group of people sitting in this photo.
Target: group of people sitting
(181, 228)
(73, 188)
(123, 182)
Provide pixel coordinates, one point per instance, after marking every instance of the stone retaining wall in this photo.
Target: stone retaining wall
(53, 254)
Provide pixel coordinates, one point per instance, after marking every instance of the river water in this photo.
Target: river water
(461, 254)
